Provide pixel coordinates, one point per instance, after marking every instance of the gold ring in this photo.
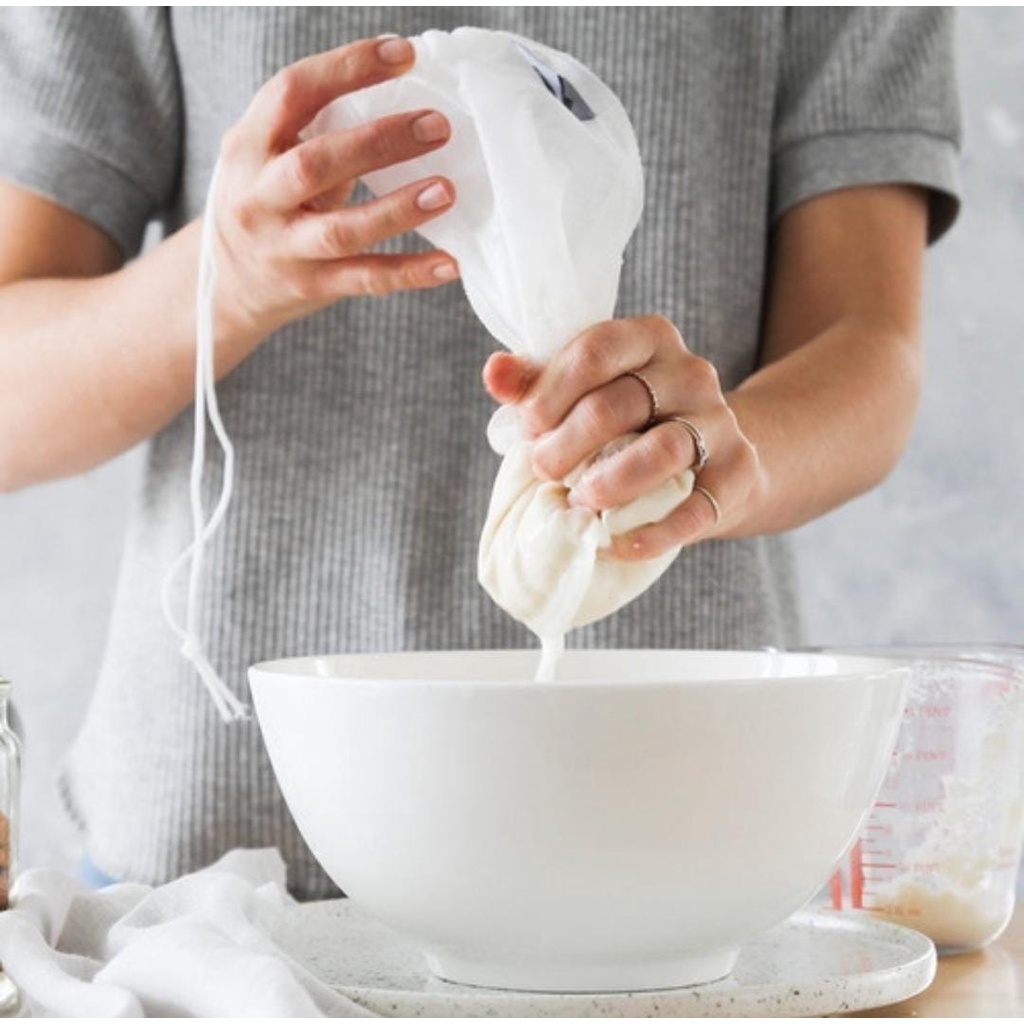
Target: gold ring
(700, 446)
(714, 503)
(651, 394)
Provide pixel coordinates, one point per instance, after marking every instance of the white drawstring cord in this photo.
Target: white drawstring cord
(230, 707)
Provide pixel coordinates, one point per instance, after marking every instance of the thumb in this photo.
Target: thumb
(509, 377)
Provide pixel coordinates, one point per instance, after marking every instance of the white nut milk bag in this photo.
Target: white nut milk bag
(550, 189)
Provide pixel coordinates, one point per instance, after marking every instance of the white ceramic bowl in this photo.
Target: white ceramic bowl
(628, 827)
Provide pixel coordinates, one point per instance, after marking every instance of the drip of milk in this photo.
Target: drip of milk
(551, 648)
(541, 557)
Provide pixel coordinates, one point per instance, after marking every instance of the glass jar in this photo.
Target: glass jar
(10, 779)
(941, 848)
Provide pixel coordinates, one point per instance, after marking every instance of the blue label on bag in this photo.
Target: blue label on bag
(560, 87)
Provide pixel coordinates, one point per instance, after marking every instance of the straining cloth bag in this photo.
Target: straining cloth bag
(550, 188)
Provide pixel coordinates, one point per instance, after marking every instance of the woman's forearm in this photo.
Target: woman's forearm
(833, 405)
(829, 420)
(91, 366)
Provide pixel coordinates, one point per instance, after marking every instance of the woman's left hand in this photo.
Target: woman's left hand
(624, 376)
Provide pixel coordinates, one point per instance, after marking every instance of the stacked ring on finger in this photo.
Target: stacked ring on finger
(712, 500)
(652, 396)
(702, 456)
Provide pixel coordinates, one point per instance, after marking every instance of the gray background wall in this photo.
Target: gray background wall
(934, 554)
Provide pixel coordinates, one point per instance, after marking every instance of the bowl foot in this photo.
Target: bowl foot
(551, 976)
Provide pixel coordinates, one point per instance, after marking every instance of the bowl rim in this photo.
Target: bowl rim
(985, 669)
(851, 668)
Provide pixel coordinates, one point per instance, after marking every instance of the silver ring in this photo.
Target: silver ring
(703, 456)
(714, 503)
(651, 394)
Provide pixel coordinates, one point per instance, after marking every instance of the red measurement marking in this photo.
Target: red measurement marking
(928, 755)
(879, 803)
(856, 877)
(875, 864)
(836, 888)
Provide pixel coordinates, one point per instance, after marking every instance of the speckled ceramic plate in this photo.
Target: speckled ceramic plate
(814, 964)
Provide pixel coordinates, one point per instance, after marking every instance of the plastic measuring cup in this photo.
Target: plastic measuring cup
(941, 847)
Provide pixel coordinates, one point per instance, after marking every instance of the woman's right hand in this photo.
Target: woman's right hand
(72, 313)
(288, 245)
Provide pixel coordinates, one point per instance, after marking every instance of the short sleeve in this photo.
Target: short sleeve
(867, 96)
(91, 113)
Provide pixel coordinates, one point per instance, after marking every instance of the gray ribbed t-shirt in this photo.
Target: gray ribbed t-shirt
(363, 474)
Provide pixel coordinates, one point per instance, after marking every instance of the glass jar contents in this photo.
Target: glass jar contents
(941, 847)
(10, 767)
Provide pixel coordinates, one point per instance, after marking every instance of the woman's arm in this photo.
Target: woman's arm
(95, 356)
(831, 410)
(825, 417)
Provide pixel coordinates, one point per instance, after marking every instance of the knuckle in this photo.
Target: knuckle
(689, 519)
(547, 462)
(377, 142)
(414, 274)
(589, 359)
(370, 283)
(336, 237)
(663, 327)
(602, 490)
(391, 217)
(304, 287)
(534, 415)
(748, 460)
(348, 62)
(664, 332)
(705, 377)
(285, 88)
(242, 212)
(384, 278)
(669, 446)
(305, 167)
(597, 411)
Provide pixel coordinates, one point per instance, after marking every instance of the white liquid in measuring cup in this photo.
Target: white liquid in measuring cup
(957, 884)
(953, 920)
(940, 850)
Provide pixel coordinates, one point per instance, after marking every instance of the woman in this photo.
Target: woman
(796, 162)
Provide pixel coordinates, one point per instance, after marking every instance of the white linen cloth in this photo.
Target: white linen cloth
(201, 946)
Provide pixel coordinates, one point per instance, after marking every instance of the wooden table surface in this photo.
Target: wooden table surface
(985, 984)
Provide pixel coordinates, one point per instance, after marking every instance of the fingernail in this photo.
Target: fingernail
(433, 197)
(430, 128)
(395, 51)
(446, 271)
